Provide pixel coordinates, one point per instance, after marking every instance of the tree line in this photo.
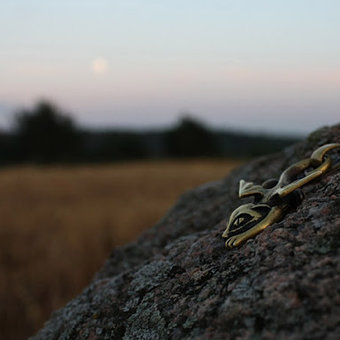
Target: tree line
(45, 134)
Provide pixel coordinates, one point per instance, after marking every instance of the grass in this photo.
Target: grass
(59, 224)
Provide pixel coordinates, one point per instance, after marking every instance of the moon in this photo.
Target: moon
(99, 65)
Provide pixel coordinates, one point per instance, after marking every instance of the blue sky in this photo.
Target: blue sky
(258, 65)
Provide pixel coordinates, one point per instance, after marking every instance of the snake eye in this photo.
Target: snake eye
(239, 220)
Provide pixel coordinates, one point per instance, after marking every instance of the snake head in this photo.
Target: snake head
(245, 217)
(248, 220)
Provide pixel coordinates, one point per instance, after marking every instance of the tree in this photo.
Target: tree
(45, 134)
(190, 138)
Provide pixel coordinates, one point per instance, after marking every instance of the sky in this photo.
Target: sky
(270, 66)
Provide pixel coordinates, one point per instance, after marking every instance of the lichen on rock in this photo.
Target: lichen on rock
(178, 281)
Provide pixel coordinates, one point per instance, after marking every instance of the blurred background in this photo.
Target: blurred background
(109, 110)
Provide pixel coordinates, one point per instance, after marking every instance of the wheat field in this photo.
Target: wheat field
(58, 224)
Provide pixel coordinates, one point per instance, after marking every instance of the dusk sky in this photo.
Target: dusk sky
(257, 65)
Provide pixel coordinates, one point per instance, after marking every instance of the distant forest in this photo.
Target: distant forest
(46, 135)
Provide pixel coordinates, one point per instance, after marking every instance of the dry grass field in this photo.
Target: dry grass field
(59, 224)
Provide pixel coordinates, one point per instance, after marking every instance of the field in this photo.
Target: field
(59, 224)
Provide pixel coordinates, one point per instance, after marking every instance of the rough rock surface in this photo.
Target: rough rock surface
(178, 281)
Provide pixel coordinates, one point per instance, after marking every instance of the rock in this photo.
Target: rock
(178, 281)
